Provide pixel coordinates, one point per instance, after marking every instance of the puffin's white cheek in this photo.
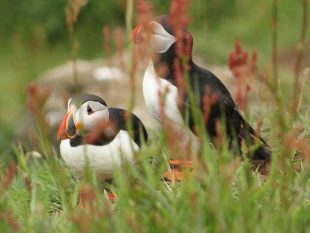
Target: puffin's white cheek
(161, 44)
(95, 119)
(89, 123)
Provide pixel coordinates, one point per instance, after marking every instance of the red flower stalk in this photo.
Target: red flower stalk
(106, 34)
(36, 98)
(188, 47)
(178, 19)
(119, 43)
(144, 12)
(178, 142)
(243, 69)
(207, 102)
(9, 218)
(9, 176)
(179, 79)
(144, 16)
(178, 16)
(72, 11)
(87, 197)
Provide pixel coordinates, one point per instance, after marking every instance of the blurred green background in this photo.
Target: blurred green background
(34, 38)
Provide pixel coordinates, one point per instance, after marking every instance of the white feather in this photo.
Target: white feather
(155, 88)
(102, 159)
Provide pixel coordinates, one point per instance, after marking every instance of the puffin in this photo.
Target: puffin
(93, 133)
(162, 78)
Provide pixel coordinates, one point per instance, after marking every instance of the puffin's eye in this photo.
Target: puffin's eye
(89, 110)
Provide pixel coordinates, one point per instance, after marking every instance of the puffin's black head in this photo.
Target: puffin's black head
(161, 34)
(83, 113)
(83, 98)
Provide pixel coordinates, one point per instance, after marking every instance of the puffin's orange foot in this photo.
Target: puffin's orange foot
(174, 174)
(111, 196)
(176, 169)
(181, 164)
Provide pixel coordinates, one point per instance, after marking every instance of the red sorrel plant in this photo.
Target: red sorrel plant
(87, 197)
(5, 182)
(72, 12)
(8, 177)
(36, 98)
(106, 35)
(119, 43)
(144, 12)
(178, 18)
(10, 220)
(244, 70)
(207, 102)
(144, 15)
(178, 143)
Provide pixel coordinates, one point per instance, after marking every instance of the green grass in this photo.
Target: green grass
(221, 196)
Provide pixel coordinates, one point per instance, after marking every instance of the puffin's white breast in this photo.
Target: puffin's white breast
(102, 159)
(155, 88)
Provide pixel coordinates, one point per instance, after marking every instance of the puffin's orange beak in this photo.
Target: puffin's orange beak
(137, 34)
(64, 127)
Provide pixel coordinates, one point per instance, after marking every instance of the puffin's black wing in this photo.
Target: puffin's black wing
(136, 129)
(207, 87)
(210, 92)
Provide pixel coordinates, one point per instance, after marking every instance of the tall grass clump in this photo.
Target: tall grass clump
(211, 192)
